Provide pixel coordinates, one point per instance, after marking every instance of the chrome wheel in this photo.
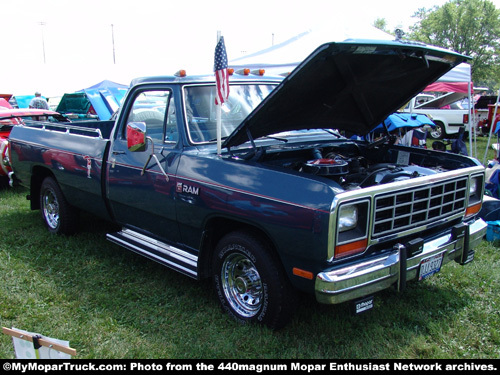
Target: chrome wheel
(242, 285)
(437, 132)
(250, 282)
(50, 207)
(59, 216)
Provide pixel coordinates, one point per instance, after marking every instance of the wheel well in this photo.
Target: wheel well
(439, 123)
(215, 230)
(37, 176)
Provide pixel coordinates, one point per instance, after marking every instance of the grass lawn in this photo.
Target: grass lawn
(110, 303)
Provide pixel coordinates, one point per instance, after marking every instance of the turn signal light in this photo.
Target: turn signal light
(472, 210)
(351, 248)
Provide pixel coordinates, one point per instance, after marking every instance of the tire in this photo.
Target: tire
(438, 132)
(250, 283)
(59, 217)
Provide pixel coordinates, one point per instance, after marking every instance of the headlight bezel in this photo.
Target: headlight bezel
(352, 225)
(475, 194)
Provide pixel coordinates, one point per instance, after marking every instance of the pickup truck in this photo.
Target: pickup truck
(276, 201)
(446, 111)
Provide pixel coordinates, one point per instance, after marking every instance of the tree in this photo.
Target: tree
(381, 24)
(469, 27)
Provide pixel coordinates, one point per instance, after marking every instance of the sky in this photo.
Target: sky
(58, 46)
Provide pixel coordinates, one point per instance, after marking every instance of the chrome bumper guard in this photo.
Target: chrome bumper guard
(345, 283)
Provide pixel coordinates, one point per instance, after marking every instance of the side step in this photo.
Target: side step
(169, 256)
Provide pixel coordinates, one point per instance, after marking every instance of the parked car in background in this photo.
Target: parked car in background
(4, 101)
(10, 117)
(485, 111)
(446, 111)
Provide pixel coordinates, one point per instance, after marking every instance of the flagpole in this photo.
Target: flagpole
(218, 116)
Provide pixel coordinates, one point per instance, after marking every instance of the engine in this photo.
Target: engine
(353, 170)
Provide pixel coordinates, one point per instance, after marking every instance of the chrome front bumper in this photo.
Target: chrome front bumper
(356, 280)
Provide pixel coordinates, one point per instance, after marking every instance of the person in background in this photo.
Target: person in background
(39, 102)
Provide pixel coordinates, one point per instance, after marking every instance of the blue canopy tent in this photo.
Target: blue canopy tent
(99, 101)
(105, 97)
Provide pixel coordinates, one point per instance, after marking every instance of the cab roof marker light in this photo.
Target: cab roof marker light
(259, 72)
(230, 71)
(244, 72)
(181, 73)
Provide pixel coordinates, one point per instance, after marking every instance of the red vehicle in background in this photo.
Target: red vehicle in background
(10, 117)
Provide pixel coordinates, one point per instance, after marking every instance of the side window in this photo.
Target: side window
(171, 132)
(157, 110)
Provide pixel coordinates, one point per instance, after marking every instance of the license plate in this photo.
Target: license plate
(429, 266)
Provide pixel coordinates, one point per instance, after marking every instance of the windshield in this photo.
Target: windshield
(200, 109)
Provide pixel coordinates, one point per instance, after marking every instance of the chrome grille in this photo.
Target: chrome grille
(401, 210)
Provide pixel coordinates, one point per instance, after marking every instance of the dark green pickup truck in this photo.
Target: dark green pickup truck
(288, 202)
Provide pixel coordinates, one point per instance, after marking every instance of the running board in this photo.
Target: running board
(172, 257)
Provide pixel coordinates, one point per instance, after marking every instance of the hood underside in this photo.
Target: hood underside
(351, 86)
(446, 99)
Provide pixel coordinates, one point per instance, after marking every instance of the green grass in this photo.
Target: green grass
(478, 147)
(111, 303)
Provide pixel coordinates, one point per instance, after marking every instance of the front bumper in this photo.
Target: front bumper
(362, 278)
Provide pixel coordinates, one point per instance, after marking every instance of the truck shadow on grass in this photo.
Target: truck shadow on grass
(112, 303)
(397, 324)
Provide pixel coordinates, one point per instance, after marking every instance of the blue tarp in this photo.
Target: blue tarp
(497, 127)
(23, 101)
(405, 120)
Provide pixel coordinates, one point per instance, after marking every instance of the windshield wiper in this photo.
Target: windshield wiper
(330, 131)
(275, 138)
(222, 138)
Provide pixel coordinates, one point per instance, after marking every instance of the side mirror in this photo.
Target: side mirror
(136, 136)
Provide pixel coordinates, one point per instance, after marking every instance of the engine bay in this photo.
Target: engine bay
(354, 165)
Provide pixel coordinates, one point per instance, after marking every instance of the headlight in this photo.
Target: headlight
(348, 217)
(473, 186)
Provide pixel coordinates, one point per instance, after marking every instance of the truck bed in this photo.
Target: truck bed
(100, 129)
(76, 155)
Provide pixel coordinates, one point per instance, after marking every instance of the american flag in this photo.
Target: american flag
(221, 75)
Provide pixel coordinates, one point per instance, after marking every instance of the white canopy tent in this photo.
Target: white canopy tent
(456, 80)
(282, 58)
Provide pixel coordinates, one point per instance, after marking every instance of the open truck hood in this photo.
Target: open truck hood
(351, 86)
(443, 100)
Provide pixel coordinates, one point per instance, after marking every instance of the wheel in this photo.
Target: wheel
(438, 132)
(250, 283)
(57, 214)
